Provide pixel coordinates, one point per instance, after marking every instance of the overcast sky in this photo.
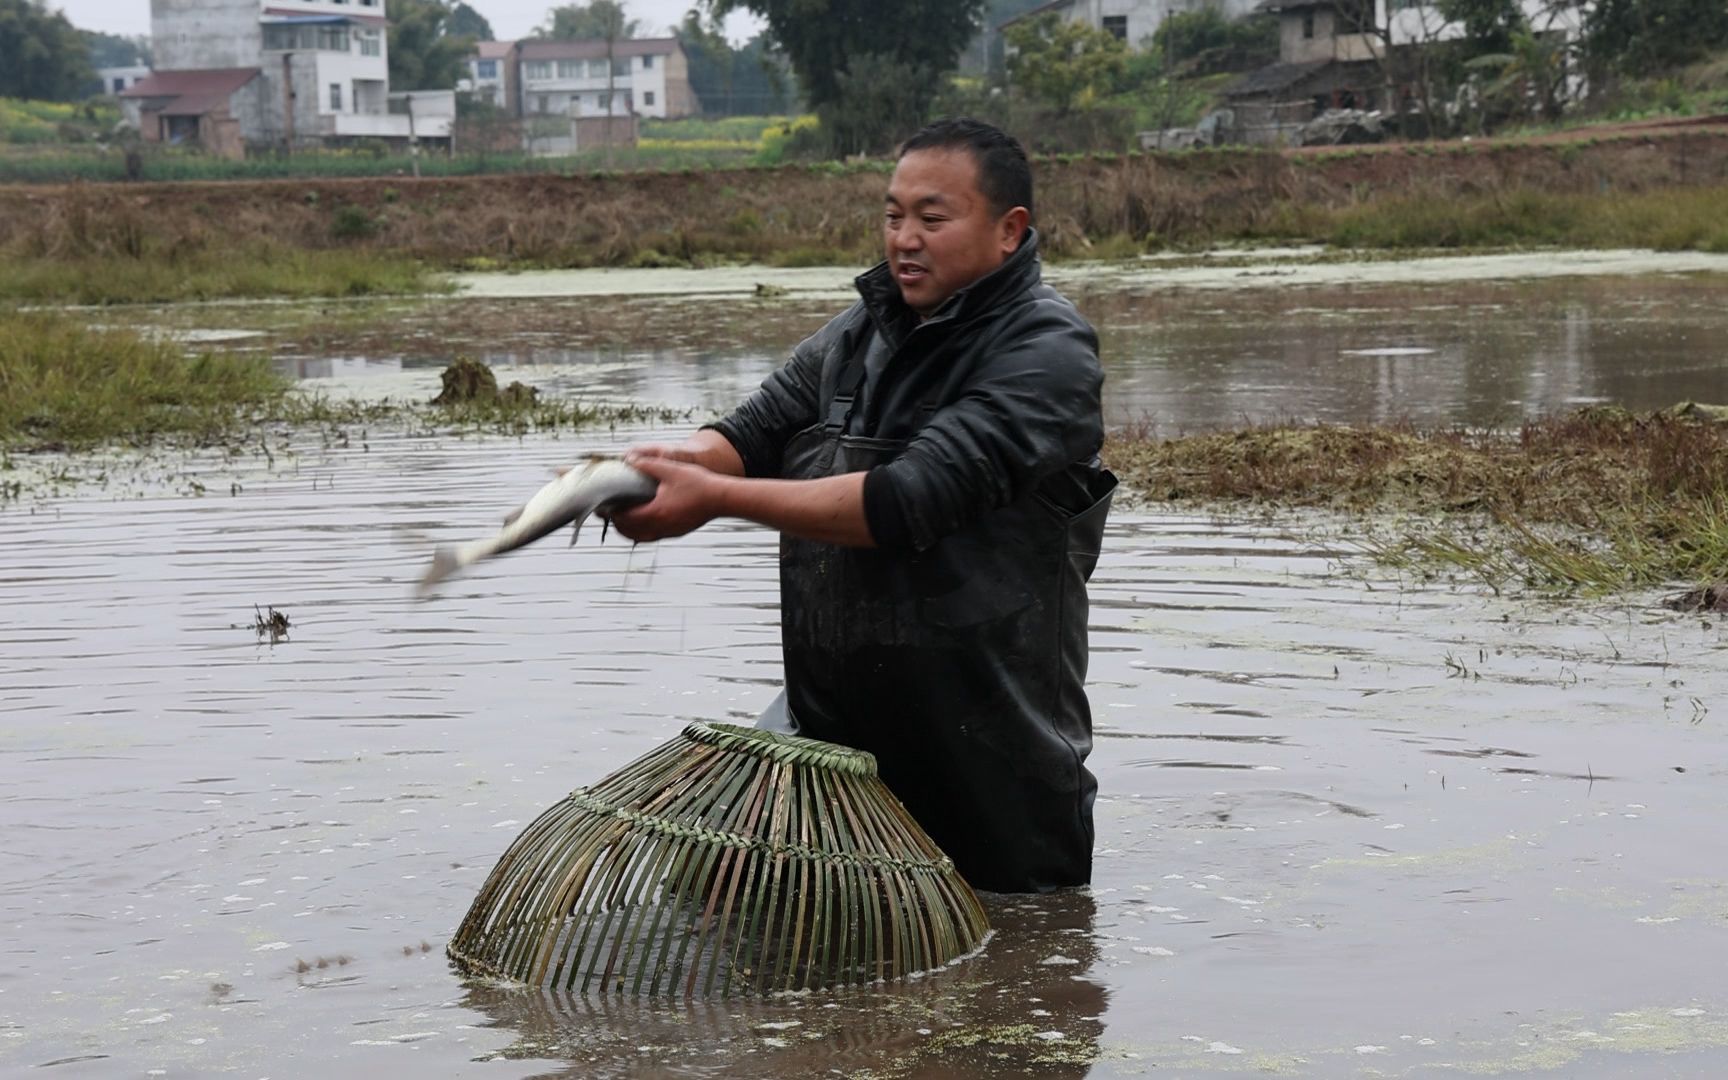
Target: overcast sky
(510, 19)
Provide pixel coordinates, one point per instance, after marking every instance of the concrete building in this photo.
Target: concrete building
(210, 109)
(1133, 21)
(567, 96)
(649, 77)
(489, 73)
(115, 79)
(320, 70)
(1353, 54)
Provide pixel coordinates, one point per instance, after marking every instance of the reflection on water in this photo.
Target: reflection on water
(218, 854)
(1029, 1004)
(1489, 353)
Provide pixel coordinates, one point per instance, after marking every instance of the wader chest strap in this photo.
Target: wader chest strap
(845, 395)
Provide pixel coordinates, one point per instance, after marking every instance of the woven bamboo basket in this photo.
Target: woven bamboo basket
(729, 860)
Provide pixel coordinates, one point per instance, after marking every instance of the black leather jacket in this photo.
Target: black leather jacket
(955, 651)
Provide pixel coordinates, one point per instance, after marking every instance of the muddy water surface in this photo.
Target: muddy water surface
(1345, 828)
(1273, 347)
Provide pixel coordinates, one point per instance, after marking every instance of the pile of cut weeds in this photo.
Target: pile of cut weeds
(1597, 500)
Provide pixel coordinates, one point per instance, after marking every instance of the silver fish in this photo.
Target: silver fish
(601, 485)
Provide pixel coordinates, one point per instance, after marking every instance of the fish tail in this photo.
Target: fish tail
(445, 561)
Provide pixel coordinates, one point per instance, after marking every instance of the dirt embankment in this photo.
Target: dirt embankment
(797, 215)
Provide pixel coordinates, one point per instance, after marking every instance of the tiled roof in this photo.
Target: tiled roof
(1053, 5)
(353, 17)
(596, 47)
(1273, 78)
(203, 82)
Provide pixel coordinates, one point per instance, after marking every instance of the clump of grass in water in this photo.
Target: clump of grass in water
(66, 386)
(1600, 500)
(63, 384)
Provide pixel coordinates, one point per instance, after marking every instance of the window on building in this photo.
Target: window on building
(537, 69)
(621, 65)
(648, 98)
(335, 97)
(286, 38)
(569, 69)
(543, 104)
(370, 43)
(486, 69)
(597, 69)
(333, 39)
(119, 85)
(647, 62)
(1116, 26)
(1307, 24)
(604, 101)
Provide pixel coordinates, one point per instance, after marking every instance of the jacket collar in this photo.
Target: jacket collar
(1019, 272)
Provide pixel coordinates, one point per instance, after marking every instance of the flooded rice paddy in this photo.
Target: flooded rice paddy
(1347, 826)
(1477, 351)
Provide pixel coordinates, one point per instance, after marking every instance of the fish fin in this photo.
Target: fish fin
(576, 528)
(510, 518)
(444, 563)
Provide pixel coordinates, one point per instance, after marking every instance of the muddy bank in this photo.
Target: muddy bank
(804, 215)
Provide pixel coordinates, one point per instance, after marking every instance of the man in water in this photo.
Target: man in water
(930, 459)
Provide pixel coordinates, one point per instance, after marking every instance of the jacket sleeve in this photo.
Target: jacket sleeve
(781, 407)
(1032, 410)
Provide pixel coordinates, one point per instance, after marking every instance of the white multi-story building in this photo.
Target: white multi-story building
(318, 72)
(116, 79)
(488, 73)
(572, 95)
(646, 77)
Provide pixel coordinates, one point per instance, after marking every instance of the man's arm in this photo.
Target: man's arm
(829, 509)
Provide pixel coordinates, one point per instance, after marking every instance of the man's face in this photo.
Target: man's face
(939, 230)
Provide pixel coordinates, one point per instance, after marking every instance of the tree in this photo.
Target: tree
(1489, 25)
(1064, 64)
(822, 38)
(468, 23)
(1530, 78)
(880, 101)
(42, 55)
(1240, 44)
(597, 20)
(1642, 37)
(750, 81)
(116, 50)
(424, 52)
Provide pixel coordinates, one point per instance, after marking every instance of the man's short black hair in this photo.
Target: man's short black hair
(1004, 174)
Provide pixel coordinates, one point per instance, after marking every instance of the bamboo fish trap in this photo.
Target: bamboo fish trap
(728, 860)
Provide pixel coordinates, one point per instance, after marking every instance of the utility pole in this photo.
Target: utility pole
(413, 139)
(611, 76)
(287, 103)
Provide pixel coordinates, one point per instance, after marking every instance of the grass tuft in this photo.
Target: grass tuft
(1599, 500)
(66, 386)
(63, 384)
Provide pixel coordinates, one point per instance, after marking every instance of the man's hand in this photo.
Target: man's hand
(689, 497)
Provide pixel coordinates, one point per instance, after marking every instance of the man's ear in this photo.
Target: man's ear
(1012, 229)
